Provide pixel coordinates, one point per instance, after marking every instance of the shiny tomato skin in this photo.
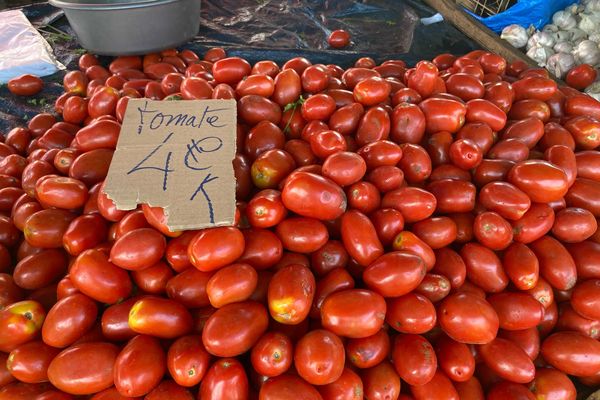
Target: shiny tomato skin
(415, 204)
(581, 76)
(37, 271)
(214, 248)
(505, 199)
(443, 114)
(114, 321)
(313, 196)
(470, 390)
(45, 228)
(188, 360)
(246, 322)
(302, 235)
(414, 359)
(344, 168)
(492, 230)
(154, 279)
(508, 360)
(225, 379)
(484, 268)
(159, 317)
(465, 86)
(95, 368)
(438, 387)
(25, 85)
(288, 387)
(371, 91)
(453, 196)
(360, 238)
(411, 313)
(353, 313)
(369, 351)
(189, 288)
(395, 274)
(571, 320)
(534, 224)
(10, 292)
(140, 366)
(585, 298)
(572, 353)
(272, 355)
(330, 256)
(423, 78)
(415, 163)
(381, 382)
(455, 359)
(20, 322)
(450, 265)
(235, 282)
(94, 275)
(319, 357)
(516, 311)
(290, 294)
(584, 193)
(468, 319)
(29, 362)
(230, 70)
(348, 386)
(540, 180)
(85, 232)
(552, 384)
(68, 320)
(574, 224)
(138, 249)
(521, 265)
(556, 264)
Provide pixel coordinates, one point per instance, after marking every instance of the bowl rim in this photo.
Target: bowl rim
(109, 6)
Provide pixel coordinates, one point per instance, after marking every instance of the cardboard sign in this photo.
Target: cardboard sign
(177, 155)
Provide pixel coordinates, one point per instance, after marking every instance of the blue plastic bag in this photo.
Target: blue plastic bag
(526, 12)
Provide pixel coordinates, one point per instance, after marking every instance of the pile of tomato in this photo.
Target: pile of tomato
(402, 233)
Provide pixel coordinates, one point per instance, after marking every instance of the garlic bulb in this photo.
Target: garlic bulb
(564, 20)
(575, 8)
(540, 54)
(577, 35)
(595, 37)
(560, 63)
(551, 28)
(563, 47)
(593, 90)
(563, 36)
(540, 39)
(592, 6)
(587, 52)
(589, 22)
(516, 35)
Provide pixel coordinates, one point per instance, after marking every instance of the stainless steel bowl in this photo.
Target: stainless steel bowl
(125, 27)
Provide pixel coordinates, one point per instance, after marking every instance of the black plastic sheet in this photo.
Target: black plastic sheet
(269, 29)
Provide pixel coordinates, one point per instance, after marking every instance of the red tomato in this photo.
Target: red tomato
(25, 85)
(226, 378)
(313, 196)
(140, 366)
(414, 359)
(95, 363)
(338, 39)
(395, 274)
(288, 387)
(468, 319)
(353, 313)
(572, 353)
(68, 320)
(581, 76)
(245, 323)
(214, 248)
(138, 249)
(319, 357)
(443, 114)
(159, 317)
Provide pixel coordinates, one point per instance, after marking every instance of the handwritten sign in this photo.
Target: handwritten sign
(177, 155)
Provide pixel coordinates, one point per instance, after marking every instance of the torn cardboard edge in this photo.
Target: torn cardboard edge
(177, 155)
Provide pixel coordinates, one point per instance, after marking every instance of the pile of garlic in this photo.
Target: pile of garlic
(571, 39)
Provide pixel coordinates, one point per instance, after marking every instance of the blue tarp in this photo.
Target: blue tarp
(525, 13)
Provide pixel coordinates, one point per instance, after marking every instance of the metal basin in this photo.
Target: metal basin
(124, 27)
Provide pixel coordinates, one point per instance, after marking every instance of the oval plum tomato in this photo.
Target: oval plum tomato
(272, 354)
(395, 274)
(414, 359)
(353, 313)
(467, 318)
(160, 317)
(443, 114)
(68, 320)
(214, 248)
(290, 294)
(95, 368)
(245, 323)
(319, 357)
(20, 323)
(288, 387)
(311, 195)
(138, 249)
(140, 366)
(188, 360)
(25, 85)
(572, 353)
(581, 76)
(338, 39)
